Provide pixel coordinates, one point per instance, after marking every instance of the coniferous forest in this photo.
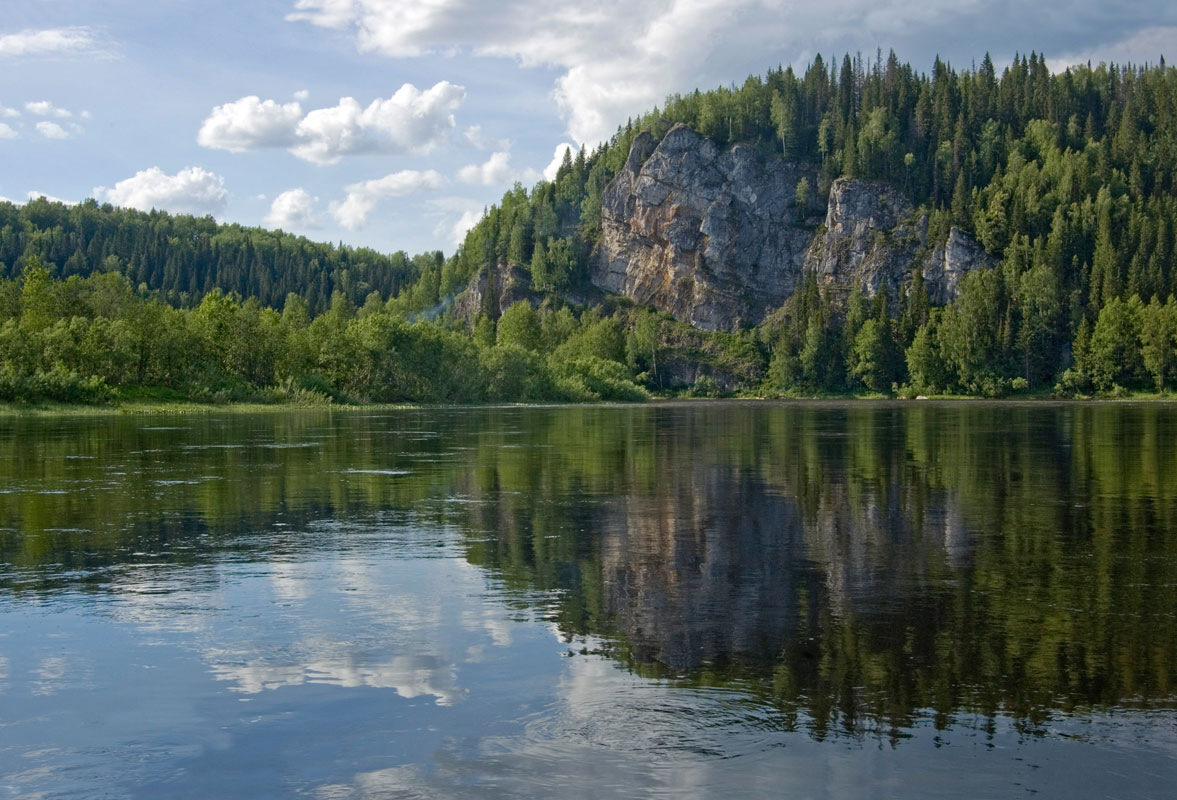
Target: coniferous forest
(1069, 179)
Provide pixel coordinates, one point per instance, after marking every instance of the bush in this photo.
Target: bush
(591, 378)
(705, 386)
(58, 385)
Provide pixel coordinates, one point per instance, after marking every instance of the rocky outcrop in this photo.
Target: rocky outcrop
(869, 238)
(507, 285)
(715, 237)
(873, 238)
(712, 236)
(950, 261)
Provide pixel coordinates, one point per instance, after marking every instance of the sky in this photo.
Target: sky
(392, 124)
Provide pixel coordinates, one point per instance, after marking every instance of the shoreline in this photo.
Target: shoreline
(180, 408)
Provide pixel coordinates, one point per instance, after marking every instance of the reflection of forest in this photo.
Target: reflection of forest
(858, 565)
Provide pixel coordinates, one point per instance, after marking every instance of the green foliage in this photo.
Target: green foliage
(1158, 338)
(519, 327)
(874, 357)
(54, 347)
(1115, 358)
(588, 378)
(602, 339)
(927, 370)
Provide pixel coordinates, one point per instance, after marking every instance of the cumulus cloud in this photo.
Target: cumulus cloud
(497, 171)
(47, 42)
(6, 131)
(608, 71)
(250, 124)
(43, 108)
(51, 130)
(410, 121)
(292, 210)
(363, 197)
(8, 113)
(192, 190)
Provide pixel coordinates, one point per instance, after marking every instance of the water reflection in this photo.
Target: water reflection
(717, 576)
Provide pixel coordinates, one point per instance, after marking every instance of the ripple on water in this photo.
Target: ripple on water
(375, 472)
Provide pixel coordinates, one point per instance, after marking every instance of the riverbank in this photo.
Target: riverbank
(183, 407)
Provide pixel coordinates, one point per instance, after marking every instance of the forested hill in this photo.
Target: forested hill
(1046, 162)
(1068, 179)
(185, 257)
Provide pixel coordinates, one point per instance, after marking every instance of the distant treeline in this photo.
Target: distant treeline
(185, 257)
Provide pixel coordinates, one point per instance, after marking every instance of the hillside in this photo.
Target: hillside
(1064, 181)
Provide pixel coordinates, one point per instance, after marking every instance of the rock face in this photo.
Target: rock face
(711, 236)
(873, 238)
(715, 237)
(950, 261)
(509, 285)
(869, 238)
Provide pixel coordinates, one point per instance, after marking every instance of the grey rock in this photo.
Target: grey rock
(949, 263)
(709, 235)
(509, 285)
(869, 239)
(713, 236)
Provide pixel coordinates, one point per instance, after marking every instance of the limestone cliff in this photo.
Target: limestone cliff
(506, 285)
(872, 237)
(715, 237)
(711, 236)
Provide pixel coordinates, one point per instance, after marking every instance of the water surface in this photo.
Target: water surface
(801, 600)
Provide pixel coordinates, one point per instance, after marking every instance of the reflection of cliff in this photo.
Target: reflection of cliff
(713, 567)
(704, 571)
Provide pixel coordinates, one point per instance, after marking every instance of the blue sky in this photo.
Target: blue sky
(392, 123)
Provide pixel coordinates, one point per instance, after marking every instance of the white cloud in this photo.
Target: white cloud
(458, 215)
(48, 42)
(362, 197)
(458, 229)
(410, 121)
(610, 70)
(192, 190)
(250, 124)
(43, 108)
(6, 131)
(301, 94)
(51, 130)
(1146, 45)
(292, 210)
(619, 58)
(477, 138)
(558, 160)
(8, 113)
(497, 171)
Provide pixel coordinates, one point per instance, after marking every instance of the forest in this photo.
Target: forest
(1068, 178)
